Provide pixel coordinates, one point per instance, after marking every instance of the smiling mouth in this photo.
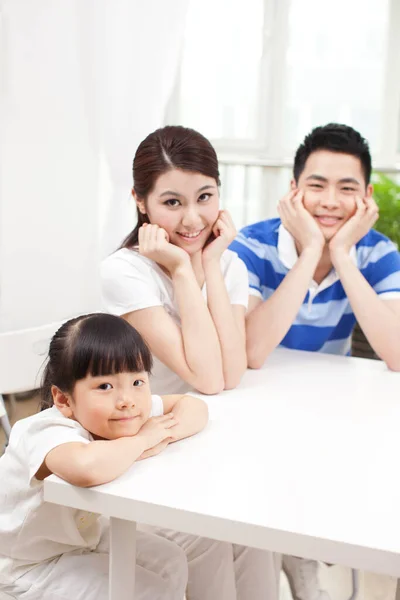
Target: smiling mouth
(327, 220)
(191, 236)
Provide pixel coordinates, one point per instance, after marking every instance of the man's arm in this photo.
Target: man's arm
(269, 321)
(378, 318)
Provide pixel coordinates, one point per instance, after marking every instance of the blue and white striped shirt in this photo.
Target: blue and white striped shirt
(325, 320)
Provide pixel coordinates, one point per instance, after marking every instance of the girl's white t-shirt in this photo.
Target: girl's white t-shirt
(132, 282)
(32, 530)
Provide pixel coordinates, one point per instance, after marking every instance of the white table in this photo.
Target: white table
(302, 458)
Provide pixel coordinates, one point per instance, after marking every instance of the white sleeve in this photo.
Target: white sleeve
(43, 435)
(236, 279)
(128, 285)
(157, 406)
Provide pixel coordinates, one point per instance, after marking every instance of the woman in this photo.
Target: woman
(177, 283)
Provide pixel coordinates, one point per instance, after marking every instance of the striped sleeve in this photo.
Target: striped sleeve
(242, 247)
(382, 269)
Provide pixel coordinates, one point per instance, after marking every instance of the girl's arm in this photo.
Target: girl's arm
(101, 461)
(192, 351)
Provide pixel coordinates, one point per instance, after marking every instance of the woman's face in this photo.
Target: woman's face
(186, 205)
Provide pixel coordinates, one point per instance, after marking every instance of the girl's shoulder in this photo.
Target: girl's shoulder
(43, 420)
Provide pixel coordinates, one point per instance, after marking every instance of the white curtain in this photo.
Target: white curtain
(81, 83)
(135, 50)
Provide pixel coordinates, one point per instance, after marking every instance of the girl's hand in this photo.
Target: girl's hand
(155, 450)
(154, 244)
(298, 221)
(225, 232)
(157, 430)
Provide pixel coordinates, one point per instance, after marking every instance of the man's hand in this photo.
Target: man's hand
(355, 228)
(298, 221)
(225, 232)
(154, 244)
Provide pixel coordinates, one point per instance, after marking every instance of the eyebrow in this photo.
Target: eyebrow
(172, 193)
(343, 180)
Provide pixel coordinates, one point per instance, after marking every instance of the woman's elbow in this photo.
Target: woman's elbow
(233, 379)
(210, 387)
(393, 364)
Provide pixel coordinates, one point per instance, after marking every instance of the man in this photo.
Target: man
(321, 267)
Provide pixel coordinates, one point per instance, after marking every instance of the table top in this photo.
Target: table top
(301, 458)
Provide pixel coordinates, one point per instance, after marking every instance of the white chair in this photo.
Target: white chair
(22, 355)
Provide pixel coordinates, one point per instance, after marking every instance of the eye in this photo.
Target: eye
(172, 202)
(348, 189)
(138, 383)
(105, 386)
(316, 186)
(204, 197)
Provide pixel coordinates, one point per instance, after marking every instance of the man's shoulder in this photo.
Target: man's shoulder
(373, 247)
(265, 232)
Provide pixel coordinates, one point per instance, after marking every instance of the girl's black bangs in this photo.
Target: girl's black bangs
(107, 347)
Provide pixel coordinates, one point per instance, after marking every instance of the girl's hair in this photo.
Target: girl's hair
(172, 147)
(95, 344)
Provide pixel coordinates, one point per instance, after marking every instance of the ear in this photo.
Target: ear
(370, 190)
(293, 185)
(62, 402)
(139, 203)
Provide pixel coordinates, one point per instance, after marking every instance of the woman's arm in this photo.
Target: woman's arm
(228, 319)
(229, 322)
(192, 351)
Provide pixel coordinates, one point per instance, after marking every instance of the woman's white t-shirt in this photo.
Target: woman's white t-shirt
(32, 530)
(132, 282)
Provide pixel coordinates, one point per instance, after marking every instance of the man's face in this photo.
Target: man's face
(330, 181)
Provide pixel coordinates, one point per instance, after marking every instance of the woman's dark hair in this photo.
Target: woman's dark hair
(95, 344)
(334, 138)
(172, 147)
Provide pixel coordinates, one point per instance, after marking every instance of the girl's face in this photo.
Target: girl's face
(186, 205)
(110, 406)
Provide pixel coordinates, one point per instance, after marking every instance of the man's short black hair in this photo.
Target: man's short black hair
(334, 138)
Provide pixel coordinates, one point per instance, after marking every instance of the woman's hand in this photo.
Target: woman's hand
(225, 232)
(154, 244)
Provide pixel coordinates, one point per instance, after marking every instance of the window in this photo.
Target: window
(257, 76)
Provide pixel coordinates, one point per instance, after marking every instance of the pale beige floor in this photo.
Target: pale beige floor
(336, 580)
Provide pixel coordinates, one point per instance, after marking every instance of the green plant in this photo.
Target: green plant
(387, 196)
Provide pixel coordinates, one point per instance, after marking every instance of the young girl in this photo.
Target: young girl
(98, 417)
(177, 283)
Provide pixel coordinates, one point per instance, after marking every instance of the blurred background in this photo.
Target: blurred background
(257, 76)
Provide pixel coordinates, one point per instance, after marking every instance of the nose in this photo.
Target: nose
(330, 198)
(125, 399)
(191, 217)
